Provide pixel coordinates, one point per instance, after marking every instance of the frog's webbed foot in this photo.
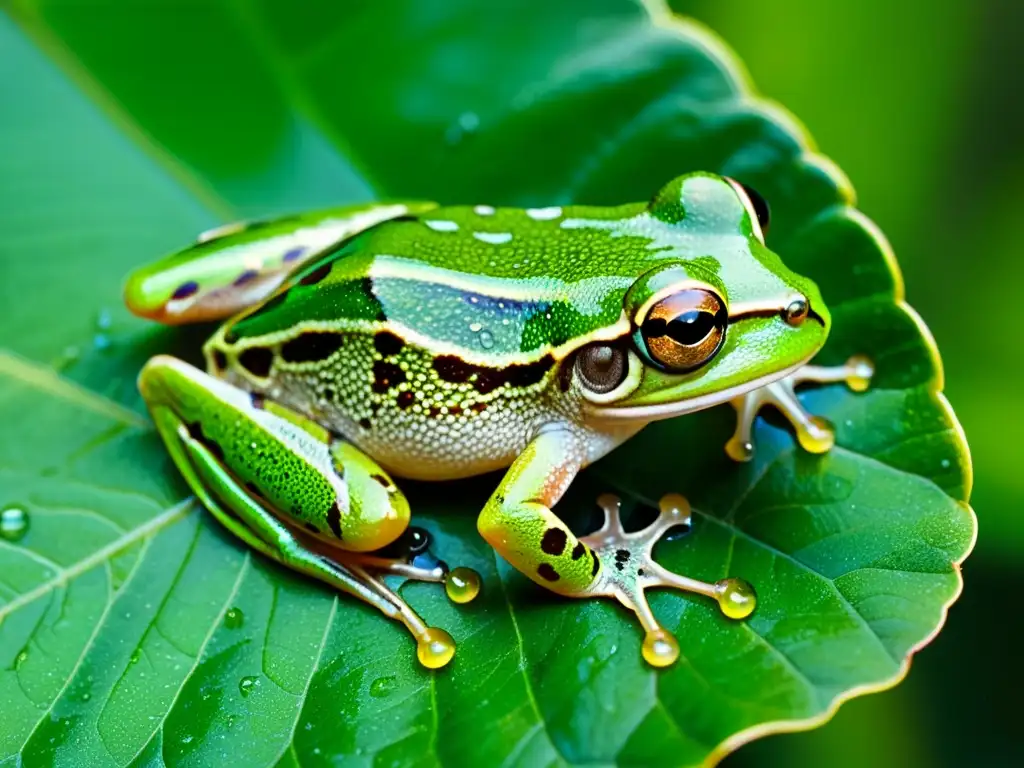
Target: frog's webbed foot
(410, 558)
(814, 433)
(628, 570)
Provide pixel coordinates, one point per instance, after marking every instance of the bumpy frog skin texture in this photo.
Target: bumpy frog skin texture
(407, 339)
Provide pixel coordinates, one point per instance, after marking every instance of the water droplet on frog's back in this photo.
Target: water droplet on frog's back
(486, 339)
(13, 523)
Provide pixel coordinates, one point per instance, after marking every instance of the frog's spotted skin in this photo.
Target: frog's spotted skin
(451, 341)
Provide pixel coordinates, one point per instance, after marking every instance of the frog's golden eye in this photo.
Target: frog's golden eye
(684, 330)
(602, 367)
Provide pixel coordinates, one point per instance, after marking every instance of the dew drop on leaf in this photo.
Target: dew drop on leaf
(464, 126)
(382, 686)
(13, 523)
(248, 684)
(234, 618)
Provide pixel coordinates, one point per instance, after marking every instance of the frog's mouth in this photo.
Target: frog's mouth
(660, 411)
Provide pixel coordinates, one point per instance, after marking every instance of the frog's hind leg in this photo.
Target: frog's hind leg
(247, 518)
(237, 265)
(814, 433)
(268, 475)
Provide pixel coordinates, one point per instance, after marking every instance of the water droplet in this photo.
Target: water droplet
(21, 658)
(186, 739)
(248, 684)
(486, 339)
(234, 618)
(945, 463)
(13, 523)
(382, 686)
(464, 126)
(103, 320)
(136, 655)
(475, 327)
(101, 341)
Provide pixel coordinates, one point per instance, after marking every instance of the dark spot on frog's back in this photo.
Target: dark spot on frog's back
(453, 369)
(387, 343)
(316, 275)
(386, 375)
(185, 290)
(312, 346)
(257, 361)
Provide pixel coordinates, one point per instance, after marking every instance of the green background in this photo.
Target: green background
(915, 101)
(918, 102)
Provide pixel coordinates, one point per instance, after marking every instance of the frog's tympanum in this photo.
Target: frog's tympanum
(411, 340)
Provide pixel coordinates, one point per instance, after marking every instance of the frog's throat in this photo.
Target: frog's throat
(659, 411)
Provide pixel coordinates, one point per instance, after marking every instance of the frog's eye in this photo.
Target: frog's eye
(756, 206)
(684, 330)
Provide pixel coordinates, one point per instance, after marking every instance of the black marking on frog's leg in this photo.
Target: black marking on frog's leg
(257, 361)
(258, 401)
(387, 343)
(364, 423)
(195, 431)
(579, 550)
(382, 480)
(246, 277)
(312, 346)
(334, 519)
(385, 376)
(293, 254)
(312, 528)
(595, 565)
(628, 585)
(405, 398)
(546, 571)
(316, 275)
(220, 360)
(553, 542)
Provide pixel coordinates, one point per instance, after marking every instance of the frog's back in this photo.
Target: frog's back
(490, 285)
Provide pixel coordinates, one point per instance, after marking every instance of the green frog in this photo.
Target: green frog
(412, 340)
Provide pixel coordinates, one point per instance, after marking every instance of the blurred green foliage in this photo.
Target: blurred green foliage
(917, 102)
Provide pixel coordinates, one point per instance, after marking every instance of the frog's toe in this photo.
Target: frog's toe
(814, 433)
(628, 570)
(410, 557)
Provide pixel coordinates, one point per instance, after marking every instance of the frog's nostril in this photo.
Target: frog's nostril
(796, 312)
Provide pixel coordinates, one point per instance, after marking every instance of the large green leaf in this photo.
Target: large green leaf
(135, 630)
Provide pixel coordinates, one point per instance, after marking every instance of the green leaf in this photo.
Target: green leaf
(133, 630)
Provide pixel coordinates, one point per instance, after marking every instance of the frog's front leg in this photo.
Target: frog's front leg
(814, 433)
(518, 522)
(292, 491)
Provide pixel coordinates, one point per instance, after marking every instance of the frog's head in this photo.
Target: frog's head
(714, 315)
